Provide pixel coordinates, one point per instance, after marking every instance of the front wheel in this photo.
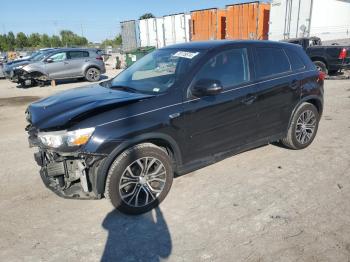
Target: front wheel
(303, 127)
(92, 74)
(139, 178)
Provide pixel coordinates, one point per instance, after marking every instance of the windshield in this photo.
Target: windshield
(156, 72)
(39, 55)
(35, 53)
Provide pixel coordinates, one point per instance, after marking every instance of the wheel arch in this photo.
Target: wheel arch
(319, 58)
(159, 139)
(314, 100)
(90, 66)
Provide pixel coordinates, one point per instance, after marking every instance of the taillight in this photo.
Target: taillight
(342, 54)
(99, 58)
(321, 76)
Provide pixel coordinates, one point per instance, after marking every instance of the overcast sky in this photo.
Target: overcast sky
(95, 19)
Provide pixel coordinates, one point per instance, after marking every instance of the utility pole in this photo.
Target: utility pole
(55, 26)
(82, 31)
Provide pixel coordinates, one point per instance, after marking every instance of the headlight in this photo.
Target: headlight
(63, 138)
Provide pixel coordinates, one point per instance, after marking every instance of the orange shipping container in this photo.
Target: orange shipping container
(248, 21)
(208, 24)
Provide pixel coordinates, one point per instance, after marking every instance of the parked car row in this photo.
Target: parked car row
(56, 63)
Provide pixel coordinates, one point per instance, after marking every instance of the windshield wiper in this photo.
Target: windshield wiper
(108, 84)
(124, 88)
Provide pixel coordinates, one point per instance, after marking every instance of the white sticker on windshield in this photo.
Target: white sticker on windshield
(156, 89)
(188, 55)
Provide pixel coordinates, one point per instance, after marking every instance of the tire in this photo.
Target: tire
(93, 74)
(295, 134)
(321, 66)
(128, 189)
(332, 72)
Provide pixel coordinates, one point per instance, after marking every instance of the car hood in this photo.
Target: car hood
(15, 62)
(63, 109)
(13, 65)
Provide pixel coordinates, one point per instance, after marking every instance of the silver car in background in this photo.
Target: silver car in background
(64, 63)
(10, 66)
(2, 75)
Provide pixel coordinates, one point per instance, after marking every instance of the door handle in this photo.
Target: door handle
(294, 84)
(249, 99)
(66, 63)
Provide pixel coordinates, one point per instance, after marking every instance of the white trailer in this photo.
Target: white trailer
(160, 32)
(327, 19)
(330, 19)
(152, 32)
(176, 28)
(289, 19)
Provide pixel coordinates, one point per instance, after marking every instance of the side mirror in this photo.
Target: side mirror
(49, 60)
(207, 87)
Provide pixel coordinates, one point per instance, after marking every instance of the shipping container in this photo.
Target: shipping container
(152, 32)
(327, 19)
(176, 28)
(247, 21)
(130, 33)
(208, 24)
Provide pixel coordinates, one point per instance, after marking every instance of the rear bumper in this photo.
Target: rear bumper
(340, 64)
(346, 66)
(103, 70)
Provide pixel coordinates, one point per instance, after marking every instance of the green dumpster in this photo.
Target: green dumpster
(134, 55)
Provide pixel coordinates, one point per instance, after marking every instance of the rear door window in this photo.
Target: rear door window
(77, 54)
(295, 60)
(229, 67)
(271, 61)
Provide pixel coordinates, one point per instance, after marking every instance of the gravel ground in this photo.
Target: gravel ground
(267, 204)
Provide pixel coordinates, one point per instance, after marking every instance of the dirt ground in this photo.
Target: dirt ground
(268, 204)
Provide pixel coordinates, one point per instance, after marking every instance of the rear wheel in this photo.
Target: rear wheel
(303, 127)
(139, 179)
(321, 66)
(93, 74)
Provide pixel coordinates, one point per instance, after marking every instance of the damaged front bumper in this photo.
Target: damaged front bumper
(23, 77)
(69, 175)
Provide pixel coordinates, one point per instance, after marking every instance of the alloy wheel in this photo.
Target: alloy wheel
(94, 74)
(142, 182)
(305, 127)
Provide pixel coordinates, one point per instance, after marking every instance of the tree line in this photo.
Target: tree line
(116, 42)
(11, 42)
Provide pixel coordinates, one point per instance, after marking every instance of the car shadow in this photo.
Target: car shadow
(136, 238)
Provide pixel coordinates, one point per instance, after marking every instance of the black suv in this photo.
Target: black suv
(177, 109)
